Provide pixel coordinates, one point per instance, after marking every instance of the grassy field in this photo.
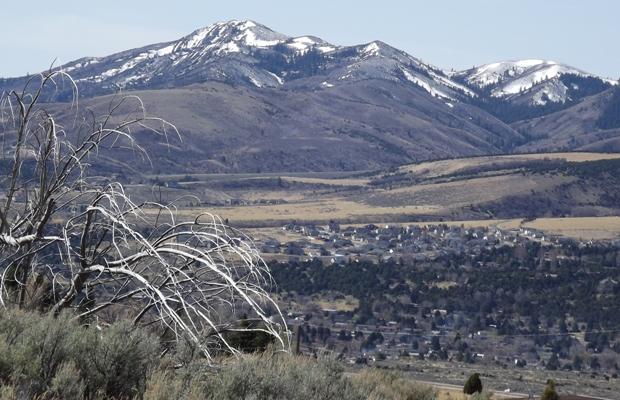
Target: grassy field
(320, 211)
(400, 204)
(446, 167)
(356, 197)
(349, 303)
(449, 195)
(585, 228)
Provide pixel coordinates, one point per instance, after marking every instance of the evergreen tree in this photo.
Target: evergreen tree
(553, 363)
(473, 384)
(550, 393)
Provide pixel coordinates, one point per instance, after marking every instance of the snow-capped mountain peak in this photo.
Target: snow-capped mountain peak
(512, 77)
(538, 80)
(247, 52)
(244, 52)
(230, 37)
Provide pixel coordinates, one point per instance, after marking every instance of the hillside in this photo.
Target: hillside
(353, 126)
(575, 128)
(519, 186)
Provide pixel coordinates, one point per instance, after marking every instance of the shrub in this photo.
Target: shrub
(376, 385)
(56, 358)
(8, 393)
(119, 361)
(263, 376)
(164, 385)
(473, 384)
(42, 356)
(280, 376)
(66, 383)
(550, 393)
(484, 395)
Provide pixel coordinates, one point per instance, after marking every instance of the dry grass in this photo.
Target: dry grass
(375, 205)
(450, 195)
(349, 303)
(320, 210)
(277, 233)
(586, 228)
(444, 284)
(446, 167)
(426, 199)
(445, 394)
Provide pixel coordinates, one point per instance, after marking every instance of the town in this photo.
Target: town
(332, 243)
(451, 298)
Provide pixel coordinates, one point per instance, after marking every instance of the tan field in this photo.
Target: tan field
(349, 303)
(383, 205)
(587, 228)
(470, 191)
(446, 394)
(584, 228)
(320, 210)
(446, 167)
(351, 199)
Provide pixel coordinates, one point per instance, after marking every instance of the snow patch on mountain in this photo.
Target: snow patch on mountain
(304, 43)
(454, 85)
(425, 85)
(276, 77)
(371, 50)
(552, 91)
(254, 41)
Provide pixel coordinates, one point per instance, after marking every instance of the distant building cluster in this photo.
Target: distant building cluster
(335, 244)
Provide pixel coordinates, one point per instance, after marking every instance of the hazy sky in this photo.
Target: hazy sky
(448, 33)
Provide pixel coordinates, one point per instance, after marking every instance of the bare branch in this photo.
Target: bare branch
(100, 250)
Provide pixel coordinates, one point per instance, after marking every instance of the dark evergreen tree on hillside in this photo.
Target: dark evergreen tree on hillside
(473, 384)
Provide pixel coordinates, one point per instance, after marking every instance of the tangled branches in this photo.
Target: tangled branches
(70, 241)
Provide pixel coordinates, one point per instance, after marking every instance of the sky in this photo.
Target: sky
(449, 34)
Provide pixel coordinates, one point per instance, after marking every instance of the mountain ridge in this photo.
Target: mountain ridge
(250, 99)
(246, 52)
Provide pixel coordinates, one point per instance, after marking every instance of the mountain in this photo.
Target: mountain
(536, 82)
(516, 90)
(250, 54)
(247, 98)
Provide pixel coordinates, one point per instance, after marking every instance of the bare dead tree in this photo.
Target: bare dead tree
(98, 252)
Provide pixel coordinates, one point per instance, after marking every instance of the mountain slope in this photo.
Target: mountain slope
(353, 126)
(574, 128)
